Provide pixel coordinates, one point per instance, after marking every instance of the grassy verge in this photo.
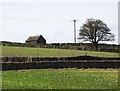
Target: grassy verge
(61, 79)
(47, 52)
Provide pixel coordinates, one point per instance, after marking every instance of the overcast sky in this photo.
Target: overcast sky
(21, 19)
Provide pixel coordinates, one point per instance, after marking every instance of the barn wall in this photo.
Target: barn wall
(31, 43)
(41, 40)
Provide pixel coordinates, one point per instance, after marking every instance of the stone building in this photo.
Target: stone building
(39, 39)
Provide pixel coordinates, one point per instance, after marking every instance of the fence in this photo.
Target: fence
(17, 63)
(56, 65)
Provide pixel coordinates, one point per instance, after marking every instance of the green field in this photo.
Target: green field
(57, 78)
(47, 52)
(60, 79)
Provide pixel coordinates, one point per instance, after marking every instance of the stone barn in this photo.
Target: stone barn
(39, 39)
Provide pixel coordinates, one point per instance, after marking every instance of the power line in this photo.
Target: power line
(74, 21)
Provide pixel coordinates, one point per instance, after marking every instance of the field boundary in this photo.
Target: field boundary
(57, 65)
(59, 59)
(17, 63)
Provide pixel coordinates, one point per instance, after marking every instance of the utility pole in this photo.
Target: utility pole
(74, 21)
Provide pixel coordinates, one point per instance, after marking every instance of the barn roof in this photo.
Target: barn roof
(34, 38)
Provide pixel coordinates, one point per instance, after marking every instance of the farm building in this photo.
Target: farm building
(39, 39)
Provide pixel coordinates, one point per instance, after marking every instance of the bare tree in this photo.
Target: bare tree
(95, 30)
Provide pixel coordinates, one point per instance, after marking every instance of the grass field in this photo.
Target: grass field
(57, 78)
(61, 79)
(46, 52)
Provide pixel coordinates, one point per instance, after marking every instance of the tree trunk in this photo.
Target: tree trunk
(95, 45)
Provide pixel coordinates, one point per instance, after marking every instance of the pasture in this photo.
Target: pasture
(69, 78)
(60, 79)
(50, 52)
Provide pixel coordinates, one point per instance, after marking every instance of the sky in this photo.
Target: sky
(20, 19)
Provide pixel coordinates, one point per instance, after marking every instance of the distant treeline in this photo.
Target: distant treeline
(77, 46)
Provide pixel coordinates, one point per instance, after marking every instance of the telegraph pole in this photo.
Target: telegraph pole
(74, 21)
